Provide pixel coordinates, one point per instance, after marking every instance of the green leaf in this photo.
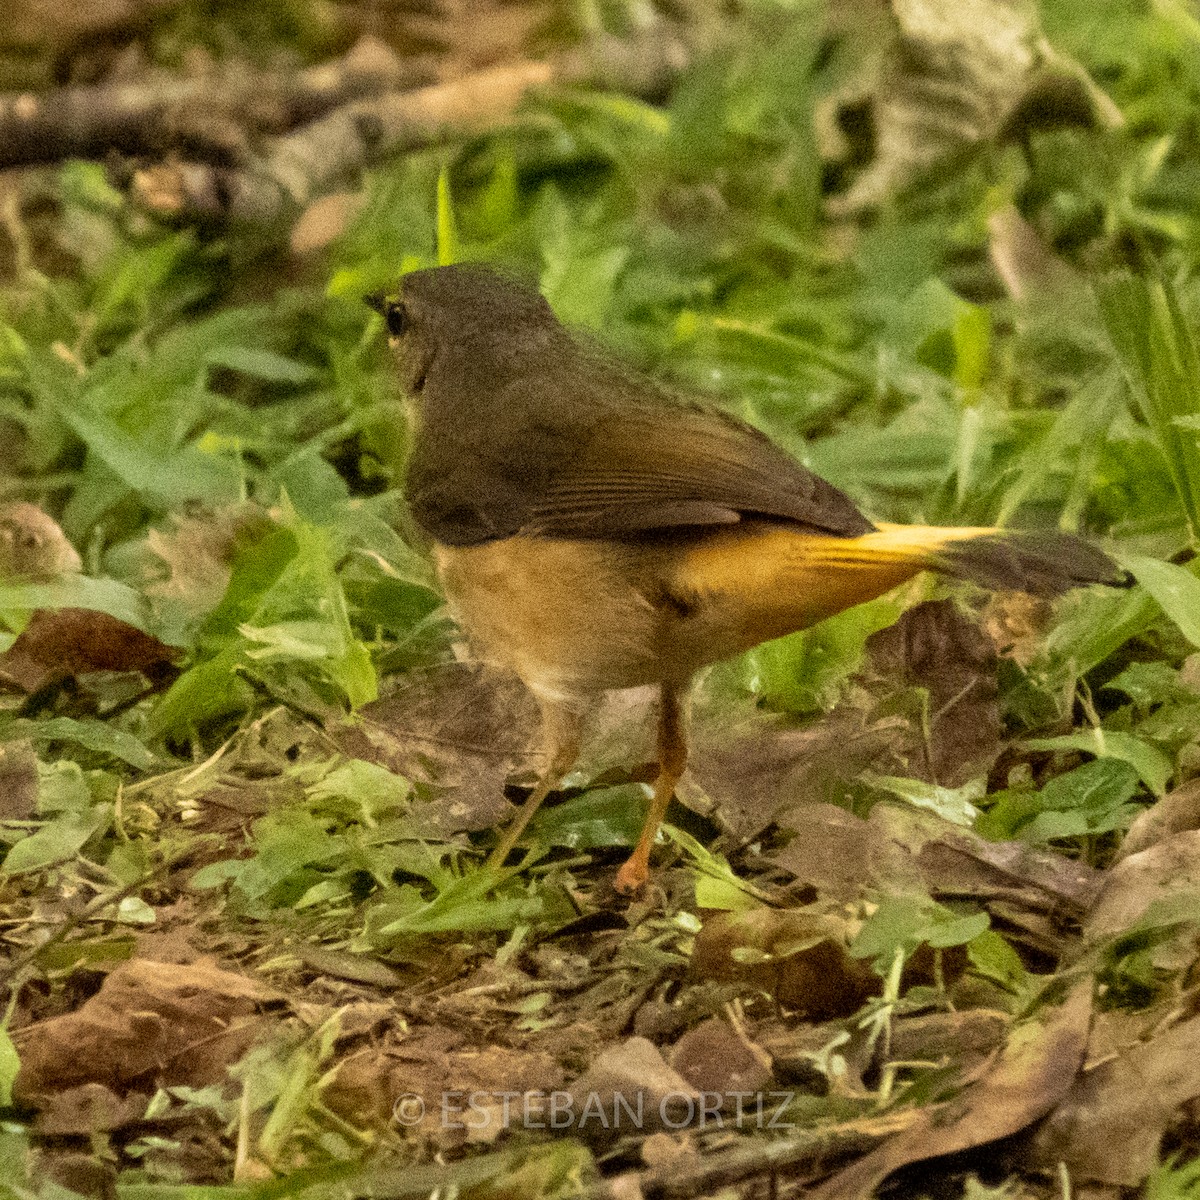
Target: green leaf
(805, 672)
(172, 476)
(1175, 589)
(262, 364)
(1151, 764)
(956, 805)
(1159, 354)
(57, 841)
(603, 817)
(100, 736)
(10, 1065)
(991, 956)
(1091, 799)
(717, 887)
(902, 923)
(447, 229)
(78, 591)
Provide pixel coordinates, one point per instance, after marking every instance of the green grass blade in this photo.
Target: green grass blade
(1161, 362)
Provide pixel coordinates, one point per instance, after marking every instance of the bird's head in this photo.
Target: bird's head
(461, 324)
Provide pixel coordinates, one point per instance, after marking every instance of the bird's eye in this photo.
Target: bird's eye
(396, 318)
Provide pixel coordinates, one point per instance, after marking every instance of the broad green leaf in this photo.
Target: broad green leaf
(902, 923)
(602, 817)
(1091, 799)
(1150, 763)
(59, 840)
(78, 591)
(101, 736)
(717, 887)
(956, 805)
(991, 956)
(1176, 589)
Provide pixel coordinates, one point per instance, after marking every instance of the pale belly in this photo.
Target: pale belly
(567, 616)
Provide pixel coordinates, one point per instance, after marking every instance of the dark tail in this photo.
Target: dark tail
(1044, 564)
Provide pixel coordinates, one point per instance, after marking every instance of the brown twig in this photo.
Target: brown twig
(295, 169)
(818, 1150)
(211, 115)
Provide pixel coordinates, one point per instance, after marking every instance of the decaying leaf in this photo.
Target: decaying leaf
(65, 643)
(465, 730)
(799, 958)
(946, 652)
(1027, 1078)
(1176, 812)
(1163, 870)
(843, 856)
(957, 74)
(32, 546)
(197, 552)
(18, 780)
(1109, 1128)
(631, 1072)
(150, 1021)
(713, 1057)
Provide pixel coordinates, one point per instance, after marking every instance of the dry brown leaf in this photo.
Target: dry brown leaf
(436, 1081)
(713, 1057)
(1109, 1129)
(963, 1038)
(88, 1109)
(759, 771)
(162, 1022)
(946, 651)
(799, 958)
(1162, 870)
(1027, 1078)
(65, 643)
(197, 550)
(32, 546)
(325, 220)
(18, 780)
(1177, 811)
(461, 729)
(633, 1072)
(844, 856)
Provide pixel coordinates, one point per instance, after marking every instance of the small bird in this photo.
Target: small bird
(593, 530)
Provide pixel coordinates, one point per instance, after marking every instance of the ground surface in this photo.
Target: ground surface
(927, 908)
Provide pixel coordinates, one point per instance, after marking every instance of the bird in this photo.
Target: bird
(594, 529)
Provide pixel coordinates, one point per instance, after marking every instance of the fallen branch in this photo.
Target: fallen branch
(295, 169)
(214, 116)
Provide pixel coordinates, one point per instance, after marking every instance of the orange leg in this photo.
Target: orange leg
(672, 758)
(561, 731)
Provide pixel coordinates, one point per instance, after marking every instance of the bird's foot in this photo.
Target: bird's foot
(633, 874)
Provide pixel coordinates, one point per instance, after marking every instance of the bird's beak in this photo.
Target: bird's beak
(378, 301)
